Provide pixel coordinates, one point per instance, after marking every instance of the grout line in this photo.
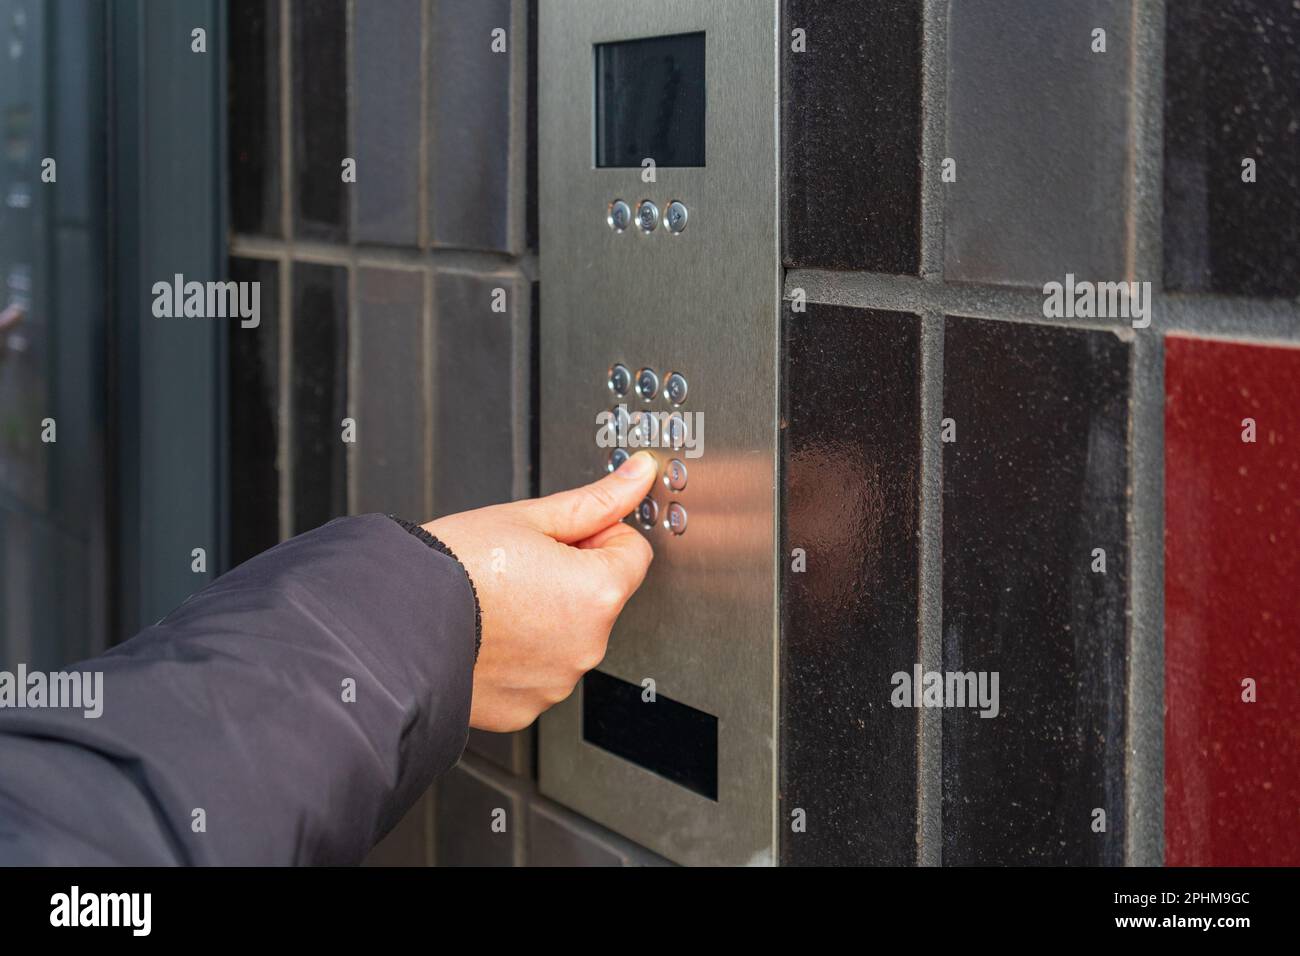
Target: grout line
(1144, 700)
(422, 183)
(351, 462)
(934, 97)
(1233, 316)
(929, 775)
(387, 257)
(284, 439)
(427, 364)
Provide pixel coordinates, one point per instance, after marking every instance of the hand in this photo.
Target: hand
(552, 575)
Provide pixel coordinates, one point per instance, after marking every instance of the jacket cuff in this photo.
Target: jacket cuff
(440, 546)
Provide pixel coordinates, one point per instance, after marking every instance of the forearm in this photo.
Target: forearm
(302, 703)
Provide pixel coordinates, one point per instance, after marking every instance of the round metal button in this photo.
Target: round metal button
(620, 380)
(647, 215)
(675, 431)
(647, 512)
(646, 428)
(619, 424)
(676, 216)
(616, 459)
(675, 388)
(647, 383)
(675, 475)
(620, 215)
(675, 521)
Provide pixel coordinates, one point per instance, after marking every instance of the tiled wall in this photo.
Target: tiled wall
(378, 305)
(943, 161)
(1006, 450)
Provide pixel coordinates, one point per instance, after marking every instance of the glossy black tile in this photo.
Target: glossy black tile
(481, 383)
(851, 135)
(1232, 95)
(320, 119)
(386, 41)
(392, 424)
(254, 111)
(1034, 592)
(475, 821)
(1038, 132)
(850, 453)
(319, 394)
(254, 416)
(475, 202)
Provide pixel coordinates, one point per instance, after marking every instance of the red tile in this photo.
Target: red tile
(1232, 604)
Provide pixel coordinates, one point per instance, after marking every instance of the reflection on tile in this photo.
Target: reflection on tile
(386, 44)
(1232, 560)
(392, 427)
(254, 358)
(254, 111)
(851, 462)
(475, 201)
(557, 837)
(511, 752)
(476, 823)
(410, 842)
(320, 394)
(1034, 498)
(1038, 126)
(481, 381)
(851, 134)
(320, 118)
(1232, 93)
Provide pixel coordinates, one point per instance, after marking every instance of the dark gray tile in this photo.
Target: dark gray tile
(470, 815)
(475, 201)
(320, 118)
(851, 136)
(511, 752)
(319, 394)
(1038, 125)
(254, 415)
(410, 843)
(1034, 483)
(557, 837)
(481, 388)
(392, 426)
(1232, 92)
(254, 111)
(386, 45)
(850, 456)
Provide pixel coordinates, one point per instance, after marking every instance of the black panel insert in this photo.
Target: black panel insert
(650, 101)
(665, 737)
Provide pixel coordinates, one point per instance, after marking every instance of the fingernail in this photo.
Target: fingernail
(638, 466)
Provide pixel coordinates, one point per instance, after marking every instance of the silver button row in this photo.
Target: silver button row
(675, 387)
(619, 216)
(647, 514)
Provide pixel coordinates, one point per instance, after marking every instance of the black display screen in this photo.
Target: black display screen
(650, 101)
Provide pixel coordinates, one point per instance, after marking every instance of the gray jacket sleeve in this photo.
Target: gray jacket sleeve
(288, 713)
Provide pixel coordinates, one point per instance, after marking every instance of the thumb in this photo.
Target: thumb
(579, 513)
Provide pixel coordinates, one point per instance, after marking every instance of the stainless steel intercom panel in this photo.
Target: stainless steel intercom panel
(660, 283)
